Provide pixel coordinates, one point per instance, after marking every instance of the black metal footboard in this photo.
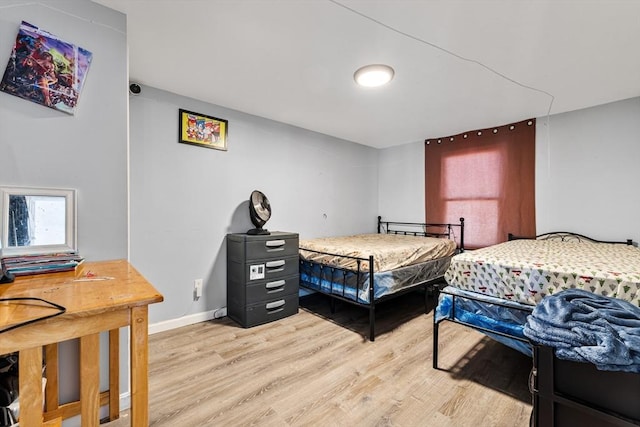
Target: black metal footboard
(341, 282)
(347, 285)
(454, 319)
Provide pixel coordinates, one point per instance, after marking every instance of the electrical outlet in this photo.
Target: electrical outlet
(197, 289)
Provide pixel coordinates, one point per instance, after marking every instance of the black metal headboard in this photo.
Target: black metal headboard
(423, 229)
(565, 236)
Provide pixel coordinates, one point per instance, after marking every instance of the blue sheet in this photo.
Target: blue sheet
(355, 286)
(586, 327)
(486, 312)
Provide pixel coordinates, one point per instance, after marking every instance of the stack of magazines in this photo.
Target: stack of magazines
(38, 264)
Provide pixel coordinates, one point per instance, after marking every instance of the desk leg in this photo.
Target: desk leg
(139, 367)
(90, 380)
(114, 374)
(51, 392)
(30, 386)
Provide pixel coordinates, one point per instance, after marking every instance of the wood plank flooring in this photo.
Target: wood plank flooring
(310, 370)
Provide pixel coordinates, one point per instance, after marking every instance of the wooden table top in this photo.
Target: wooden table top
(93, 288)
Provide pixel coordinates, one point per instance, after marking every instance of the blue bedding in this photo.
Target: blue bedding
(355, 286)
(491, 313)
(586, 327)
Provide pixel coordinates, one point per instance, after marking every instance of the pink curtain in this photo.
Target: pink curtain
(486, 176)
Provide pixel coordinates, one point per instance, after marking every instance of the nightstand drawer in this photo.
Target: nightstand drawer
(271, 269)
(268, 311)
(274, 247)
(277, 288)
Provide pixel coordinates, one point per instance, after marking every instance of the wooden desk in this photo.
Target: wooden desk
(91, 307)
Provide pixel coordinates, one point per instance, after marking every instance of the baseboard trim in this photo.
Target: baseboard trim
(125, 401)
(191, 319)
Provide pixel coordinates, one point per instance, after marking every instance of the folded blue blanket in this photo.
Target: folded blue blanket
(586, 327)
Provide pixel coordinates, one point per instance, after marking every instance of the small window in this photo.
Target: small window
(37, 221)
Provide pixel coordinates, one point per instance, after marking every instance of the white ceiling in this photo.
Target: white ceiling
(460, 65)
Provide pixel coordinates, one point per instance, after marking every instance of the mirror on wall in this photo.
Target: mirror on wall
(37, 220)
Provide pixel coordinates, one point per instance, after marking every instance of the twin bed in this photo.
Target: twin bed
(367, 269)
(558, 293)
(494, 289)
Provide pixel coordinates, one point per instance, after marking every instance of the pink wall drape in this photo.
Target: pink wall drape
(486, 176)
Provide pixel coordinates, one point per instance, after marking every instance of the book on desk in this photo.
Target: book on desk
(42, 263)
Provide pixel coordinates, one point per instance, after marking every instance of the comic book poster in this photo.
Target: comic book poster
(202, 130)
(45, 69)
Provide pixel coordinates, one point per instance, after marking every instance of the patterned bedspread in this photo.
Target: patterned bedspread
(527, 270)
(390, 251)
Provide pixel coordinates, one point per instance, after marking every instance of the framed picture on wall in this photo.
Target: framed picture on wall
(202, 130)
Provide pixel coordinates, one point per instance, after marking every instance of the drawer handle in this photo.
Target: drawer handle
(276, 284)
(275, 264)
(275, 243)
(275, 305)
(533, 375)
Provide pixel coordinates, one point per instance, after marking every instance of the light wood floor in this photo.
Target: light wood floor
(306, 370)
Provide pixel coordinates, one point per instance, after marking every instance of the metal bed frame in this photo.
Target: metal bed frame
(562, 236)
(388, 227)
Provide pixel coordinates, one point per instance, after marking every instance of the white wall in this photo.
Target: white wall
(41, 147)
(401, 183)
(587, 173)
(185, 198)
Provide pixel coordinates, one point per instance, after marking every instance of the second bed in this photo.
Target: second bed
(494, 289)
(366, 269)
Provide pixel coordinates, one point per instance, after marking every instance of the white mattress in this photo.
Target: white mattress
(390, 251)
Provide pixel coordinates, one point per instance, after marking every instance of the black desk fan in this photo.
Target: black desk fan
(259, 211)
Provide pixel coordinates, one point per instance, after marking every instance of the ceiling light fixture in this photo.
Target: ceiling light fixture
(373, 75)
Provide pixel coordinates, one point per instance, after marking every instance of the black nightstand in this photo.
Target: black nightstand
(262, 277)
(567, 393)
